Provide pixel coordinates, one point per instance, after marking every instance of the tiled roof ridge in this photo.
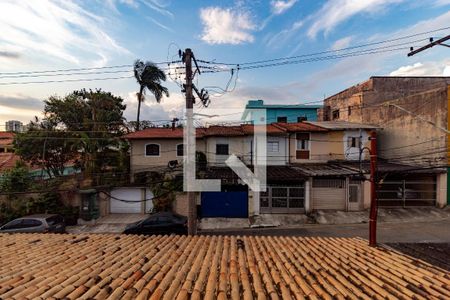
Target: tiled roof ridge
(65, 266)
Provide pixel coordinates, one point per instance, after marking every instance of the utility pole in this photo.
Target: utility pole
(192, 205)
(373, 191)
(431, 44)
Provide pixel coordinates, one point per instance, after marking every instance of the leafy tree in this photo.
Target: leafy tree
(82, 127)
(149, 78)
(46, 146)
(17, 179)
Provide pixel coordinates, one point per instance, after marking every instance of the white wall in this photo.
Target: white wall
(352, 153)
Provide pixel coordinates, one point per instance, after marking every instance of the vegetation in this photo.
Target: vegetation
(149, 78)
(83, 128)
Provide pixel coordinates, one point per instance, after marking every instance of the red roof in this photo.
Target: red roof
(240, 130)
(8, 161)
(270, 129)
(6, 138)
(224, 131)
(299, 127)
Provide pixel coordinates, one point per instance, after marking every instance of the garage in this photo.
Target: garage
(231, 202)
(328, 193)
(130, 201)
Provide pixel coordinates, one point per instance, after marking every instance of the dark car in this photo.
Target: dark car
(159, 223)
(36, 223)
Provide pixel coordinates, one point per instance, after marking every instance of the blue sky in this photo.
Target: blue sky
(48, 35)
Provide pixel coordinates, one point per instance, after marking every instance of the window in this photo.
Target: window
(152, 150)
(180, 149)
(302, 146)
(335, 114)
(222, 149)
(283, 199)
(349, 110)
(353, 142)
(13, 224)
(30, 223)
(55, 220)
(282, 119)
(301, 119)
(302, 141)
(273, 147)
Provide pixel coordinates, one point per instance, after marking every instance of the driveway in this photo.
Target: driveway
(113, 223)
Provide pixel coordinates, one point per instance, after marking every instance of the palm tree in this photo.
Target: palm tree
(149, 77)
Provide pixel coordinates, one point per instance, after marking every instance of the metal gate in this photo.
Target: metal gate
(283, 199)
(224, 204)
(407, 192)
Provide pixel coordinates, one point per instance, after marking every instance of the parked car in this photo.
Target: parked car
(159, 223)
(36, 223)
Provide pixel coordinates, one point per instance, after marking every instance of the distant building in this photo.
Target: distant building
(291, 113)
(14, 126)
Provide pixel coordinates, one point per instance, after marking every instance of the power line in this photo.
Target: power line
(82, 69)
(65, 80)
(328, 51)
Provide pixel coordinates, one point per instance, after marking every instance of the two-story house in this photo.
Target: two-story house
(310, 165)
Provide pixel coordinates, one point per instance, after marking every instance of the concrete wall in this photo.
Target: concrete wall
(239, 146)
(406, 137)
(330, 145)
(168, 151)
(441, 190)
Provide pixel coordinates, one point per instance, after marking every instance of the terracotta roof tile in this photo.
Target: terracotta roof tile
(111, 266)
(6, 138)
(299, 127)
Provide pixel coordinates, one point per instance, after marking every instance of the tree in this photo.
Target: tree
(84, 127)
(45, 146)
(17, 179)
(149, 78)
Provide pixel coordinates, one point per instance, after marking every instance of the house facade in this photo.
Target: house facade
(414, 114)
(310, 166)
(281, 113)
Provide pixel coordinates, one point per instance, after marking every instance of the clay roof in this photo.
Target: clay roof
(160, 133)
(8, 161)
(341, 125)
(6, 138)
(223, 131)
(219, 130)
(100, 266)
(300, 127)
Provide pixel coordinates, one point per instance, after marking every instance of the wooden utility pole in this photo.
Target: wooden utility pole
(192, 205)
(373, 191)
(431, 44)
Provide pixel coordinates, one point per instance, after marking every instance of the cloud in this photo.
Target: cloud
(157, 6)
(9, 54)
(342, 43)
(226, 26)
(441, 2)
(20, 101)
(280, 7)
(60, 29)
(160, 24)
(284, 35)
(424, 69)
(334, 12)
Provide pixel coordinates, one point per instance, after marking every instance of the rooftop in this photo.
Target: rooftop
(260, 104)
(6, 138)
(63, 266)
(341, 125)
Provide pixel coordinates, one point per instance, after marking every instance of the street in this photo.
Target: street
(418, 232)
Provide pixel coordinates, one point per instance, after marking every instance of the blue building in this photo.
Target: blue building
(291, 113)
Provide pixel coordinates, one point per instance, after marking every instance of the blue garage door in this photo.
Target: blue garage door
(224, 204)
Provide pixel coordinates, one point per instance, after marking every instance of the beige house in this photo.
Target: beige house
(293, 149)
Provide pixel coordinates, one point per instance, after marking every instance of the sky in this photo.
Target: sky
(58, 34)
